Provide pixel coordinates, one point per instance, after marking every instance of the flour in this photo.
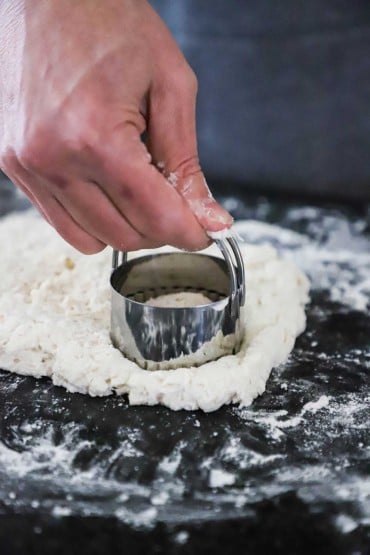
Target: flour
(55, 312)
(222, 234)
(337, 260)
(182, 299)
(219, 478)
(225, 234)
(314, 406)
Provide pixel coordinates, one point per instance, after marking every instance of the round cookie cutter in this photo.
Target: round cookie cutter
(169, 337)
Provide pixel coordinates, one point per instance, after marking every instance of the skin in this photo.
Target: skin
(81, 80)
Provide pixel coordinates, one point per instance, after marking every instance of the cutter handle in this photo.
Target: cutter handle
(115, 259)
(234, 260)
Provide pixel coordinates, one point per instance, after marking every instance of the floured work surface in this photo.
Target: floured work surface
(55, 314)
(293, 467)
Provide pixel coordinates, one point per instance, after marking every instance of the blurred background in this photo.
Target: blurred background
(284, 92)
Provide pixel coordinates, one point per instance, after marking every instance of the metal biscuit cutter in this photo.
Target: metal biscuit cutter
(169, 337)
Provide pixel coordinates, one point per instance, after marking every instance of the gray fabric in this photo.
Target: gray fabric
(284, 98)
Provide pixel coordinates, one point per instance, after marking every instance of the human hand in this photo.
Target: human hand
(80, 82)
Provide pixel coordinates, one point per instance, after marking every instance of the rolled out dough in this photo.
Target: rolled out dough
(55, 313)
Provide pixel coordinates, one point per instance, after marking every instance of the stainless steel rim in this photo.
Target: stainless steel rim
(231, 252)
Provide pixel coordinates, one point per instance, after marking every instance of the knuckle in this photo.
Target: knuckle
(183, 81)
(188, 167)
(127, 193)
(192, 80)
(81, 141)
(58, 181)
(45, 148)
(189, 84)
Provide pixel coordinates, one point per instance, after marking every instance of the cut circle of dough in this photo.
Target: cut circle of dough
(55, 314)
(181, 299)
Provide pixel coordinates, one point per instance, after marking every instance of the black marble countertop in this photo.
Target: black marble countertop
(93, 475)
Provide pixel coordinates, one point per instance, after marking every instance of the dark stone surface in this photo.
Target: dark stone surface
(79, 475)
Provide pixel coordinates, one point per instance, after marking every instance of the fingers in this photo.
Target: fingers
(172, 144)
(55, 213)
(92, 209)
(138, 209)
(31, 197)
(69, 229)
(195, 191)
(146, 199)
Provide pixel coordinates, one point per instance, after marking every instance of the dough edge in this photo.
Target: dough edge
(68, 339)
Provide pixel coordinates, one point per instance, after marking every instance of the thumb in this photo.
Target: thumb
(172, 143)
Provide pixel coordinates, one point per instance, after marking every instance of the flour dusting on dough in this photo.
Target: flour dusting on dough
(55, 313)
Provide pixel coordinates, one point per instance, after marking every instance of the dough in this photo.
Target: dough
(183, 299)
(55, 313)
